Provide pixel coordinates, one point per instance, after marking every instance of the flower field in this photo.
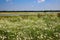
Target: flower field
(38, 27)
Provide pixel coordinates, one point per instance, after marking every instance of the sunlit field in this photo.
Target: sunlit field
(30, 26)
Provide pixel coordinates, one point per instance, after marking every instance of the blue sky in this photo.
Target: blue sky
(24, 5)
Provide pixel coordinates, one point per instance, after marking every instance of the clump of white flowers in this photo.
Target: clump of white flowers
(31, 28)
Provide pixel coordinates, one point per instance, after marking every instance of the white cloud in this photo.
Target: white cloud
(40, 1)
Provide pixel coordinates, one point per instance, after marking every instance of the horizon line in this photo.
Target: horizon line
(34, 11)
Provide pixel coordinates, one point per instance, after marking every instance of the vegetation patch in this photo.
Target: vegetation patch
(36, 27)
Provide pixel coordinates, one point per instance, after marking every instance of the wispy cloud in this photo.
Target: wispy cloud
(40, 1)
(7, 0)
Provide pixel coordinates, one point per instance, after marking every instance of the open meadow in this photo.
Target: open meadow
(29, 25)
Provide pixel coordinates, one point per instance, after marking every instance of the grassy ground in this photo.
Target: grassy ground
(40, 26)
